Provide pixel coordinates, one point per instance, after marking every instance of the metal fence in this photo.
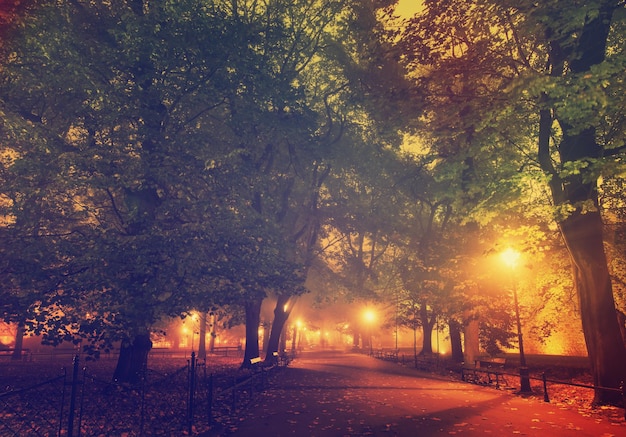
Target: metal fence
(187, 400)
(495, 377)
(35, 410)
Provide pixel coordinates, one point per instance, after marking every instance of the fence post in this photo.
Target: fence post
(192, 382)
(545, 388)
(210, 399)
(70, 417)
(63, 400)
(142, 420)
(234, 393)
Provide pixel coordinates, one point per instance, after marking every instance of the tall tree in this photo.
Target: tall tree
(504, 63)
(122, 108)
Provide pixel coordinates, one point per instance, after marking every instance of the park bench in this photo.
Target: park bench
(486, 371)
(386, 355)
(391, 355)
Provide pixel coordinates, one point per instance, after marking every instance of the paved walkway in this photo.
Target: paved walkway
(341, 394)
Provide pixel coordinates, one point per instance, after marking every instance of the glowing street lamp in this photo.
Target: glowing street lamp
(511, 258)
(370, 316)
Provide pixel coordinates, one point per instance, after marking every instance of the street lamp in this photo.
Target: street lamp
(511, 258)
(369, 317)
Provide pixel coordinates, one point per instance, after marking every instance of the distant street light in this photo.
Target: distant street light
(370, 316)
(511, 258)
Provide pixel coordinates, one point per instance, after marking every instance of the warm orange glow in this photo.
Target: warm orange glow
(369, 316)
(555, 345)
(408, 8)
(510, 257)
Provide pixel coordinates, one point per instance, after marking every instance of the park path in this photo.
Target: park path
(347, 394)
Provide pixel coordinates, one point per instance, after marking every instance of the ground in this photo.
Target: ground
(337, 394)
(323, 393)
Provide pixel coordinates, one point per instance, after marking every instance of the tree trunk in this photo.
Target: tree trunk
(253, 321)
(356, 337)
(213, 331)
(621, 320)
(266, 336)
(415, 344)
(583, 235)
(582, 230)
(19, 342)
(294, 338)
(133, 359)
(202, 338)
(280, 317)
(455, 341)
(471, 340)
(427, 329)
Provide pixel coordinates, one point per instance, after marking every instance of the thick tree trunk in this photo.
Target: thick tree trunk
(427, 329)
(471, 340)
(455, 341)
(213, 331)
(266, 336)
(621, 320)
(19, 342)
(253, 321)
(202, 338)
(294, 339)
(582, 230)
(583, 235)
(280, 317)
(356, 337)
(133, 359)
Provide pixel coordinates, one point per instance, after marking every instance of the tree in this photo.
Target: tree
(503, 64)
(114, 115)
(281, 121)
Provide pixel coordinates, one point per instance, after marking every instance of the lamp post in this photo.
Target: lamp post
(510, 258)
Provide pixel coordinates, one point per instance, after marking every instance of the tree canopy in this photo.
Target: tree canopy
(159, 157)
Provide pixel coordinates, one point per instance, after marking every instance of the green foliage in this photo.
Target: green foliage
(161, 158)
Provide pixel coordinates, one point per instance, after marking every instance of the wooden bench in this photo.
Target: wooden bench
(490, 367)
(391, 355)
(382, 354)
